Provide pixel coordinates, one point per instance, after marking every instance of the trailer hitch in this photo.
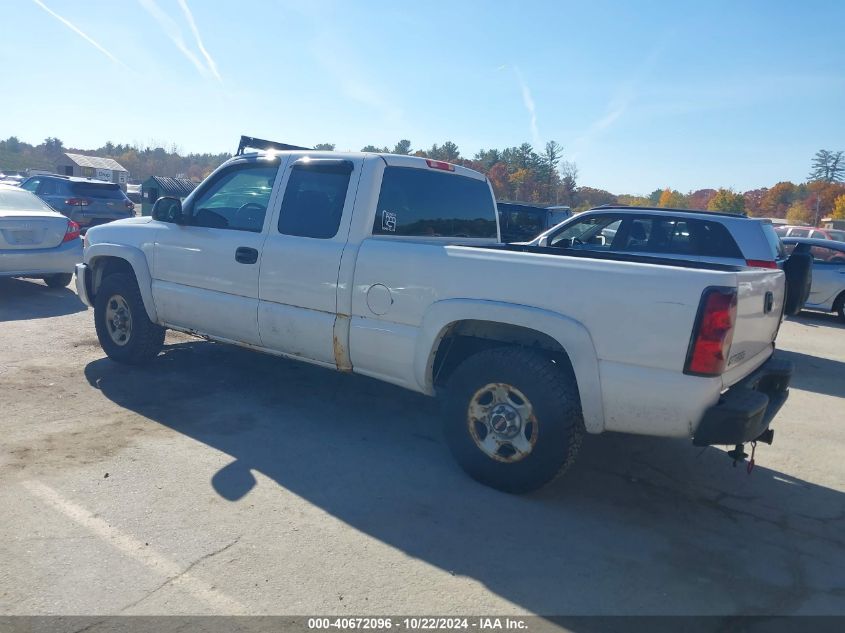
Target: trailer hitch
(739, 455)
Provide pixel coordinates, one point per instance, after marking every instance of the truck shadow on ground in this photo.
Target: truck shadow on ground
(22, 299)
(818, 319)
(639, 525)
(819, 375)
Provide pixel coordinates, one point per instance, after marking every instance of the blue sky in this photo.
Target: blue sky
(640, 94)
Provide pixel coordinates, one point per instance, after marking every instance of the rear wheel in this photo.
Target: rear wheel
(125, 331)
(513, 418)
(60, 280)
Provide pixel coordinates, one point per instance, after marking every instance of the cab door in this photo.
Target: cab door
(205, 270)
(298, 286)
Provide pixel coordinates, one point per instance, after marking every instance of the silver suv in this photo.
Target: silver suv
(720, 238)
(705, 236)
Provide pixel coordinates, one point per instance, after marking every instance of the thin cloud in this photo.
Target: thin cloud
(353, 84)
(172, 30)
(618, 105)
(80, 33)
(528, 102)
(212, 66)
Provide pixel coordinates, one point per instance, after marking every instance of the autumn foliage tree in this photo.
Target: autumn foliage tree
(839, 208)
(672, 199)
(727, 201)
(798, 213)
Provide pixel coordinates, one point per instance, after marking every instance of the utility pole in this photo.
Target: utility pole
(818, 199)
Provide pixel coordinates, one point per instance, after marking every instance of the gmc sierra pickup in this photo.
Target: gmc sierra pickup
(391, 266)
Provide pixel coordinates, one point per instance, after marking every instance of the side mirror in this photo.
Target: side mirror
(168, 209)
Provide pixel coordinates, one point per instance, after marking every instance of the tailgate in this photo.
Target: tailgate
(760, 298)
(25, 233)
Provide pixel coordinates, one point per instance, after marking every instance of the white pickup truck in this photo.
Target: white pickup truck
(390, 266)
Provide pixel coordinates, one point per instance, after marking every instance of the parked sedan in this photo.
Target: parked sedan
(811, 232)
(36, 241)
(827, 292)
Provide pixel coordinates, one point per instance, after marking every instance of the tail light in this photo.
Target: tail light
(760, 263)
(440, 164)
(713, 333)
(77, 202)
(130, 206)
(72, 232)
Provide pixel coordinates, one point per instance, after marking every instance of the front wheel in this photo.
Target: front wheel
(513, 418)
(60, 280)
(124, 330)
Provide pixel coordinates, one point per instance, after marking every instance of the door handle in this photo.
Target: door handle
(246, 255)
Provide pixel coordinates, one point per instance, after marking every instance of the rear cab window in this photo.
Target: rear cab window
(429, 203)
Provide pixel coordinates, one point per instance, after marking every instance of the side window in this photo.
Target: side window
(48, 188)
(658, 235)
(799, 232)
(237, 199)
(825, 255)
(314, 198)
(31, 184)
(818, 235)
(420, 202)
(712, 239)
(592, 232)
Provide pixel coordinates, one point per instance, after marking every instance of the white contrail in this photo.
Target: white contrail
(79, 32)
(209, 60)
(173, 31)
(528, 101)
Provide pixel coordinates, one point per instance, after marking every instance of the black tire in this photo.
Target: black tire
(799, 277)
(60, 280)
(839, 306)
(552, 394)
(144, 339)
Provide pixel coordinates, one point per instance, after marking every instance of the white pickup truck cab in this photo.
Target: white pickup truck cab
(390, 266)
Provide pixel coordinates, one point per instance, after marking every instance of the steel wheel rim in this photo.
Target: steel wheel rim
(501, 422)
(118, 320)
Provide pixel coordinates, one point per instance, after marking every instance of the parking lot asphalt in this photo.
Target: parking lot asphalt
(217, 480)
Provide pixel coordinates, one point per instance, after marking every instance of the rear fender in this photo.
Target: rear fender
(570, 334)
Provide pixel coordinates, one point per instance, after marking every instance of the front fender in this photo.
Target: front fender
(134, 257)
(570, 334)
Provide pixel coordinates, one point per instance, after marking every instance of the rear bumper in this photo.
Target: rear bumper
(41, 261)
(745, 411)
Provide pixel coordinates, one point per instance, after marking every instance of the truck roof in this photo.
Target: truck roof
(391, 160)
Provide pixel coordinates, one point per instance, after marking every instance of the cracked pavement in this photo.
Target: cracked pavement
(241, 483)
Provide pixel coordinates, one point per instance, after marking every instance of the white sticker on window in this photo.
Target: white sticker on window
(388, 221)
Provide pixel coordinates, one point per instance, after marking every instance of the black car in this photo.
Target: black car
(522, 222)
(86, 201)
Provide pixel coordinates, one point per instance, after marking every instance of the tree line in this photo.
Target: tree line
(521, 173)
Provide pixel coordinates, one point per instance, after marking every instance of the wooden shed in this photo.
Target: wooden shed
(82, 166)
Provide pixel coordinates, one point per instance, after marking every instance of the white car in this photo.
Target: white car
(35, 241)
(827, 292)
(391, 267)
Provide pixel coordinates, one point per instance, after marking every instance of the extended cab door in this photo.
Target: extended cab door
(205, 271)
(302, 256)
